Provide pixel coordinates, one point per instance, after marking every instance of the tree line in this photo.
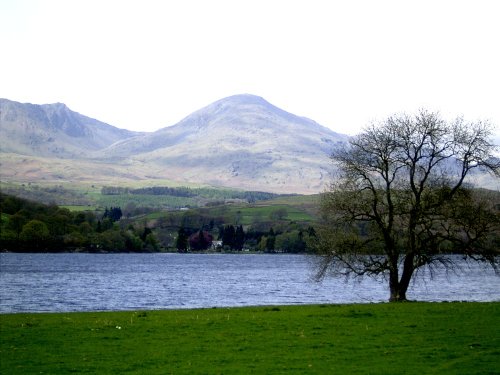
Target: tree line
(155, 190)
(231, 238)
(29, 226)
(186, 192)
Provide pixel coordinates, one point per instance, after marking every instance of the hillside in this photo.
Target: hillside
(53, 130)
(240, 142)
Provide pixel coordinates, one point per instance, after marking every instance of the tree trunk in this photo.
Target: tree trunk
(398, 287)
(394, 285)
(398, 293)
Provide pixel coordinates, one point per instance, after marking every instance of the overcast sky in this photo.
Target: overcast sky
(144, 65)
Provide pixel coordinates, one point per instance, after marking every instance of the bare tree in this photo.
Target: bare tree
(402, 200)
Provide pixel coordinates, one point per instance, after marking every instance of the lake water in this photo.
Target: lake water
(95, 282)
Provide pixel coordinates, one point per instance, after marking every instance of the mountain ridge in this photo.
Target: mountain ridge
(53, 130)
(241, 141)
(211, 116)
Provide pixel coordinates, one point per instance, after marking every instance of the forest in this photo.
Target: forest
(29, 226)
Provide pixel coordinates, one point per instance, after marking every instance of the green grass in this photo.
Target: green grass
(142, 200)
(246, 214)
(412, 338)
(249, 214)
(79, 208)
(296, 200)
(84, 196)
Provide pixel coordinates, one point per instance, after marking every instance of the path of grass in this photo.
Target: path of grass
(413, 338)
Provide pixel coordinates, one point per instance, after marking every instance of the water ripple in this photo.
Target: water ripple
(92, 282)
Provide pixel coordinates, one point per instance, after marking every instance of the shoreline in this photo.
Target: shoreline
(307, 305)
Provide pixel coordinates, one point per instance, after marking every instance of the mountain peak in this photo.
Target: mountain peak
(236, 102)
(241, 108)
(57, 105)
(241, 141)
(53, 130)
(243, 99)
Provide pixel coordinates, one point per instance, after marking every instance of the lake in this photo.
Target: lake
(99, 282)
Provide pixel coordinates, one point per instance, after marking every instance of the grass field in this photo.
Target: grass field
(79, 208)
(249, 214)
(411, 338)
(80, 197)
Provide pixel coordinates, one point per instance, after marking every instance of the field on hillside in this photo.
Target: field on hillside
(302, 208)
(410, 338)
(271, 222)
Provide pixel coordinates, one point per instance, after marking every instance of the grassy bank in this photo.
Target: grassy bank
(413, 338)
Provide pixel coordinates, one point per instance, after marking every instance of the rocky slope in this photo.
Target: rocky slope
(53, 130)
(241, 141)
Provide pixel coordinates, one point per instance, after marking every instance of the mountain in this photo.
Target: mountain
(53, 130)
(241, 141)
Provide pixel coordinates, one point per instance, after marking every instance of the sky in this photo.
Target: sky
(145, 64)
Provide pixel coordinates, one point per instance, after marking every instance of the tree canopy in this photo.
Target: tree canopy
(33, 226)
(200, 240)
(403, 199)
